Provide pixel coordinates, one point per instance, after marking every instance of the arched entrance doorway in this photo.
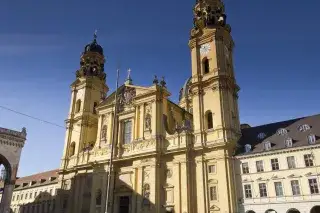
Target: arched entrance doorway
(293, 211)
(11, 145)
(315, 209)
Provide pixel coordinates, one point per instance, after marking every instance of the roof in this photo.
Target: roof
(46, 177)
(299, 138)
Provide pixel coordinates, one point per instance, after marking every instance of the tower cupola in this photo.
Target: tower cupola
(209, 14)
(93, 46)
(92, 61)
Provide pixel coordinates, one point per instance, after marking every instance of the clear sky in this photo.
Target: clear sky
(276, 58)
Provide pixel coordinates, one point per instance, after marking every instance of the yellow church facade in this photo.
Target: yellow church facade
(165, 157)
(134, 150)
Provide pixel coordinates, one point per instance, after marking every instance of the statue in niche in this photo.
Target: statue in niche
(148, 122)
(146, 194)
(169, 173)
(104, 133)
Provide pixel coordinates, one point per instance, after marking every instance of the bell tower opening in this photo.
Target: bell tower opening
(205, 66)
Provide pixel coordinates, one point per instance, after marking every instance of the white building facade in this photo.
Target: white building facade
(277, 169)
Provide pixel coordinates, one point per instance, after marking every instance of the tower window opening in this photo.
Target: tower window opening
(95, 104)
(209, 119)
(206, 67)
(78, 105)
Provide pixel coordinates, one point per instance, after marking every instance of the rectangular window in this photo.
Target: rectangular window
(212, 168)
(278, 188)
(30, 195)
(127, 131)
(245, 168)
(275, 164)
(13, 198)
(295, 187)
(313, 184)
(35, 194)
(263, 190)
(51, 192)
(308, 160)
(291, 162)
(213, 193)
(17, 197)
(259, 165)
(247, 191)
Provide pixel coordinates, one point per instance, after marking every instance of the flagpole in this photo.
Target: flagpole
(114, 131)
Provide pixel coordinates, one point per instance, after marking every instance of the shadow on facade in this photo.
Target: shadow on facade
(86, 193)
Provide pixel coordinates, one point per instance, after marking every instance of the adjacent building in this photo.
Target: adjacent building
(35, 193)
(277, 167)
(186, 157)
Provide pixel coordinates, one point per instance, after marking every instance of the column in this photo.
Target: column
(136, 123)
(94, 187)
(184, 190)
(141, 123)
(104, 191)
(201, 189)
(177, 187)
(155, 118)
(153, 185)
(6, 198)
(138, 189)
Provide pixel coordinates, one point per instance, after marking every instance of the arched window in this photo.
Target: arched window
(95, 104)
(98, 197)
(78, 105)
(205, 66)
(270, 211)
(72, 149)
(315, 209)
(209, 120)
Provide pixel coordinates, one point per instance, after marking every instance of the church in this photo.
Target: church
(134, 150)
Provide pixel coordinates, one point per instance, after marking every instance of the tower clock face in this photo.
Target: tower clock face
(204, 49)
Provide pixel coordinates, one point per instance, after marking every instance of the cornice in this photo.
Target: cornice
(276, 152)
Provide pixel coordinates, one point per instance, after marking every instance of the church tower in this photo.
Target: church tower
(215, 106)
(88, 90)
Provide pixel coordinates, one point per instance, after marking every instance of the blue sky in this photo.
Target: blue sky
(276, 58)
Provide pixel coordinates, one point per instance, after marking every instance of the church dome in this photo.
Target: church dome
(93, 46)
